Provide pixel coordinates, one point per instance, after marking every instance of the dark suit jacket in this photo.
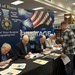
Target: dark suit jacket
(38, 46)
(9, 55)
(20, 49)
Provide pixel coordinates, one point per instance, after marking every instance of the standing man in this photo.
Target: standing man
(68, 46)
(23, 49)
(6, 54)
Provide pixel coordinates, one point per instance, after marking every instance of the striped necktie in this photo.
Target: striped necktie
(42, 46)
(26, 49)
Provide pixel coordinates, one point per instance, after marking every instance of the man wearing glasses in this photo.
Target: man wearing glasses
(6, 54)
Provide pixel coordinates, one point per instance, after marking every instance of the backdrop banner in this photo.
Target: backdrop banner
(35, 23)
(9, 25)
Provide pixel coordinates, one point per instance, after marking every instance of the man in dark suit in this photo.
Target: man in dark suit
(6, 54)
(40, 45)
(23, 49)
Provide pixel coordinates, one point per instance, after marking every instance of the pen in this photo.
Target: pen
(9, 73)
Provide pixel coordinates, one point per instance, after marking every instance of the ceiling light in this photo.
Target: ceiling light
(51, 4)
(67, 16)
(17, 2)
(39, 8)
(73, 16)
(73, 3)
(55, 11)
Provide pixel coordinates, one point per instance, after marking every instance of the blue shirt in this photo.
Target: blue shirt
(3, 57)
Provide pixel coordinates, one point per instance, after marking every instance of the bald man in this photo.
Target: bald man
(50, 42)
(40, 45)
(23, 49)
(6, 54)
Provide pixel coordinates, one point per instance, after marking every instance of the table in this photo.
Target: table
(53, 67)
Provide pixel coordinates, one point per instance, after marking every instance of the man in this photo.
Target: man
(23, 49)
(50, 42)
(68, 46)
(6, 54)
(40, 45)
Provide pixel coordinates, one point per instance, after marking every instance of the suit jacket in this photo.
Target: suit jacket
(20, 49)
(38, 46)
(9, 55)
(49, 43)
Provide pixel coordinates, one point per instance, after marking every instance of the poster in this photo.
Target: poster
(35, 23)
(9, 25)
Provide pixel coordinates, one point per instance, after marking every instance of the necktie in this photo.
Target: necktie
(42, 46)
(26, 49)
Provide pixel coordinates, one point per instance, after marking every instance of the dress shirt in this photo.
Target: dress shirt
(42, 46)
(4, 57)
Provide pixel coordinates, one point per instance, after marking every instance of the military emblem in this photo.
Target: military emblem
(6, 24)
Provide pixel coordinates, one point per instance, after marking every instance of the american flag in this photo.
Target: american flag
(40, 17)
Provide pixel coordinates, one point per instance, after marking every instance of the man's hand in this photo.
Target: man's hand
(46, 49)
(62, 55)
(60, 45)
(30, 53)
(56, 45)
(8, 61)
(2, 63)
(27, 56)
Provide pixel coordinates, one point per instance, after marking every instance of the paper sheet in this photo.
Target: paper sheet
(56, 48)
(55, 54)
(40, 61)
(4, 66)
(10, 72)
(18, 66)
(65, 59)
(46, 52)
(35, 55)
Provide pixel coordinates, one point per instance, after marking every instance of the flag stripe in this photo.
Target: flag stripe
(40, 19)
(34, 19)
(43, 20)
(34, 15)
(49, 20)
(46, 19)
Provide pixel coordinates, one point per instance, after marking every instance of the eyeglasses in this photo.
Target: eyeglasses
(25, 40)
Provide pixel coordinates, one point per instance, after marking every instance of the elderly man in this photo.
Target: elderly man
(50, 42)
(23, 49)
(68, 46)
(40, 45)
(6, 54)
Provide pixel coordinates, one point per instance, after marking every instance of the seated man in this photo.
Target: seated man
(23, 49)
(40, 45)
(51, 42)
(6, 54)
